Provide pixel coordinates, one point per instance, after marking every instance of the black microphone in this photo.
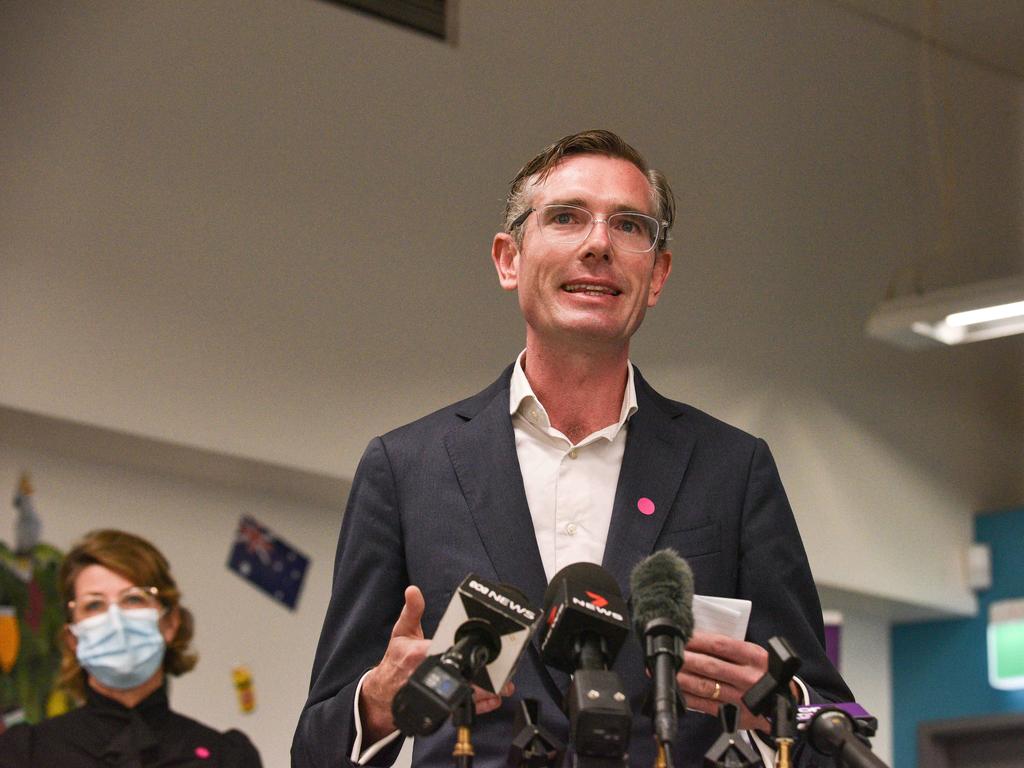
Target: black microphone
(833, 732)
(478, 641)
(585, 628)
(662, 598)
(585, 624)
(864, 722)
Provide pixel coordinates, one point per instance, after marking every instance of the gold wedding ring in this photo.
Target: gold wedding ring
(718, 691)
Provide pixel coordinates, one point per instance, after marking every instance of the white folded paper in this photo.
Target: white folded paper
(724, 615)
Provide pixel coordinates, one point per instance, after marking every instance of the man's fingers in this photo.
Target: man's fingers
(748, 721)
(728, 649)
(707, 694)
(488, 704)
(479, 694)
(705, 687)
(485, 701)
(732, 662)
(408, 624)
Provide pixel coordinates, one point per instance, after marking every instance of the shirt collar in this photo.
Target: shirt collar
(521, 397)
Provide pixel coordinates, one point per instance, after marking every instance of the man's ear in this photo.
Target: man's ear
(505, 255)
(662, 269)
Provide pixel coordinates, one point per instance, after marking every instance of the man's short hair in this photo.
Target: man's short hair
(594, 142)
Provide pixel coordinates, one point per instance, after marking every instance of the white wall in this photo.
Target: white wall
(865, 663)
(194, 525)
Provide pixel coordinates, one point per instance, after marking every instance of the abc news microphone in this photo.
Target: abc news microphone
(478, 641)
(661, 588)
(585, 627)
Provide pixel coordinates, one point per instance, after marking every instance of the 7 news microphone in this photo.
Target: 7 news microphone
(478, 642)
(662, 598)
(585, 626)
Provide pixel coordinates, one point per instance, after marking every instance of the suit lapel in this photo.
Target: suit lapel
(657, 452)
(483, 454)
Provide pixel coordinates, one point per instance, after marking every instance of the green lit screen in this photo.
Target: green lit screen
(1006, 654)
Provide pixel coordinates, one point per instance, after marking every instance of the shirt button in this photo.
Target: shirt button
(572, 454)
(571, 529)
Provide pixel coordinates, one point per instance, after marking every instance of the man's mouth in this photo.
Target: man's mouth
(590, 289)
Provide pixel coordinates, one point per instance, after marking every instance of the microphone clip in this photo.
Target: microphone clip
(533, 746)
(772, 697)
(730, 750)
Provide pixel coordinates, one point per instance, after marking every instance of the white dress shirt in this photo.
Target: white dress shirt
(570, 488)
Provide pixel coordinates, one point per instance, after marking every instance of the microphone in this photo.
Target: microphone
(662, 598)
(833, 732)
(585, 625)
(864, 722)
(584, 631)
(478, 641)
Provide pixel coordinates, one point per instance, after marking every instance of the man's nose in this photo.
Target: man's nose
(598, 242)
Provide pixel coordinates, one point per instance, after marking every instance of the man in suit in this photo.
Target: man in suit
(569, 456)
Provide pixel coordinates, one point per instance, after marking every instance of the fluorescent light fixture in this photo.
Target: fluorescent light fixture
(954, 316)
(1006, 645)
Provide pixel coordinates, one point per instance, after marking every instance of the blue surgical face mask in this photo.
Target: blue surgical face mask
(121, 649)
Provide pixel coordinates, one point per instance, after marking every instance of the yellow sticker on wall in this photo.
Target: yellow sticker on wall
(242, 678)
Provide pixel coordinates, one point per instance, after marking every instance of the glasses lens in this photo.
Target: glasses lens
(90, 605)
(565, 223)
(135, 599)
(132, 599)
(633, 231)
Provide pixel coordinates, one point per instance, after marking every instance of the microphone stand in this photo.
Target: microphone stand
(463, 718)
(533, 746)
(730, 750)
(772, 697)
(600, 718)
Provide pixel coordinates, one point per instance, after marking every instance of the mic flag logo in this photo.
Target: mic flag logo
(268, 562)
(597, 600)
(502, 607)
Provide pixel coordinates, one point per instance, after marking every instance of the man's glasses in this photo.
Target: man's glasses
(130, 599)
(571, 225)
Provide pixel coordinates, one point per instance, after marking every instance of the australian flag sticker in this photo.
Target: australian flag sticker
(268, 562)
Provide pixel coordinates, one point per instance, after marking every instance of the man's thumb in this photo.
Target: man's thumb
(408, 624)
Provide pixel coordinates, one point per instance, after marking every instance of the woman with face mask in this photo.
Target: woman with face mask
(126, 632)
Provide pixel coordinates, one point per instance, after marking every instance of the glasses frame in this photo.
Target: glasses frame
(662, 224)
(153, 592)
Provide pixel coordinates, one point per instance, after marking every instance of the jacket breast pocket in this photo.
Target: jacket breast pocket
(694, 540)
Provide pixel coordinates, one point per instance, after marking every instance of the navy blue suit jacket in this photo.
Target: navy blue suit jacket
(443, 497)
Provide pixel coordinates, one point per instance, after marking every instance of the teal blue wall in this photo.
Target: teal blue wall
(940, 668)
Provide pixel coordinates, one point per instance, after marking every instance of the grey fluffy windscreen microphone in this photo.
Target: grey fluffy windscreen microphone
(662, 601)
(662, 588)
